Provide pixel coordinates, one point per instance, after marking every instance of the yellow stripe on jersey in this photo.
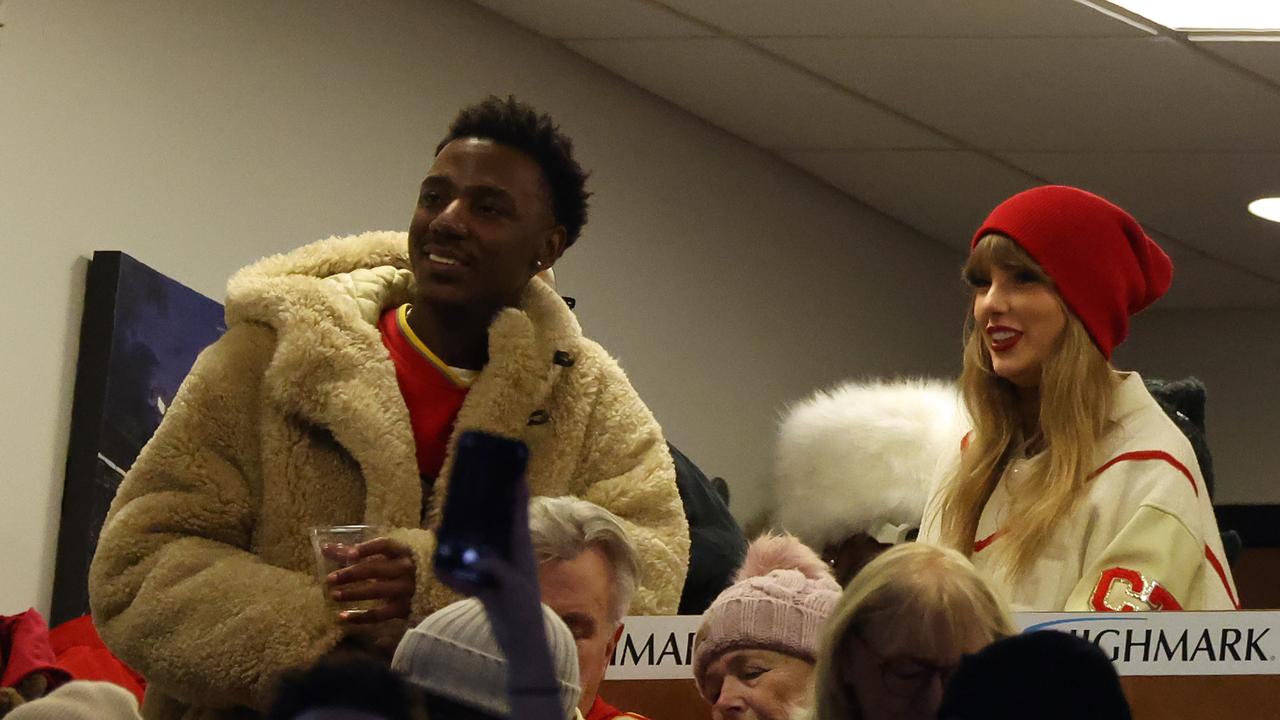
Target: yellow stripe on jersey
(402, 319)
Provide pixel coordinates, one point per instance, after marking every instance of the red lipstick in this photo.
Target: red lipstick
(1003, 338)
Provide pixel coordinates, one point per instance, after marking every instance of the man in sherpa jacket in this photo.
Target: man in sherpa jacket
(336, 395)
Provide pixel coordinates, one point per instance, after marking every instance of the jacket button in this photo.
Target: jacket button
(539, 417)
(562, 359)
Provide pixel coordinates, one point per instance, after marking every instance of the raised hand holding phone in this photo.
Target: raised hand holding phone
(483, 550)
(479, 523)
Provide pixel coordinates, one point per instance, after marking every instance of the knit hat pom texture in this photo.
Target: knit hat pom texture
(783, 595)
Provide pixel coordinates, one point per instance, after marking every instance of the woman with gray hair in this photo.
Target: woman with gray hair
(587, 573)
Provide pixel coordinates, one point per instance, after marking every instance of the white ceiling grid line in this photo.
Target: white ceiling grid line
(917, 18)
(722, 81)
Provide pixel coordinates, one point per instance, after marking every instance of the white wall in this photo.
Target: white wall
(1237, 355)
(200, 136)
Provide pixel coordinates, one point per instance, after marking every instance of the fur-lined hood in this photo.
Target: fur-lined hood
(323, 301)
(862, 455)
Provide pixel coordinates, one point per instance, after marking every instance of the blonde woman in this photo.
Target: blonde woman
(1073, 491)
(899, 631)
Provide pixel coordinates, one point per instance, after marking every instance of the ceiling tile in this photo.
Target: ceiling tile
(1260, 57)
(1200, 282)
(1052, 94)
(895, 18)
(943, 194)
(562, 19)
(756, 97)
(1198, 198)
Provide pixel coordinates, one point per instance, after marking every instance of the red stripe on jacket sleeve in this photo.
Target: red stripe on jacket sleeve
(1134, 455)
(1151, 455)
(982, 544)
(1222, 575)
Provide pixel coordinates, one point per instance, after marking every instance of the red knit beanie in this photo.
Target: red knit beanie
(1103, 264)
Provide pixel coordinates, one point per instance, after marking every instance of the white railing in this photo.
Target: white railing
(1173, 643)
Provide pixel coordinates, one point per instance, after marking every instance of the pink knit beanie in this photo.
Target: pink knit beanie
(782, 597)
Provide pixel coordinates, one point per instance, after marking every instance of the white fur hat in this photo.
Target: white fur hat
(864, 457)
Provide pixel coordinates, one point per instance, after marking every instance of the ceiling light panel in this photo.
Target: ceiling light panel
(1216, 16)
(1267, 208)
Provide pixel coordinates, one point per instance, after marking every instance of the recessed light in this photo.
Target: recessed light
(1267, 208)
(1199, 16)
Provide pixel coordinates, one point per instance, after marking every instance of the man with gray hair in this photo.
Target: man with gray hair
(587, 573)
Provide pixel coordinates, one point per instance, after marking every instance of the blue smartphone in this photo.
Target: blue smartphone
(478, 507)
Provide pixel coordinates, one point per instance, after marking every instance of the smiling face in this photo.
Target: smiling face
(482, 224)
(753, 684)
(1019, 316)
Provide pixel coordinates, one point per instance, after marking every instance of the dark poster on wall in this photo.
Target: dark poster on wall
(140, 334)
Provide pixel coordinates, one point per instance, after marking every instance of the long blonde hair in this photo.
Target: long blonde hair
(1076, 389)
(932, 589)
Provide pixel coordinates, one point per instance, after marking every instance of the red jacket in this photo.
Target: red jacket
(25, 649)
(601, 710)
(82, 653)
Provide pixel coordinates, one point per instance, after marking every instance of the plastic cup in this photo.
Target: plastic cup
(332, 545)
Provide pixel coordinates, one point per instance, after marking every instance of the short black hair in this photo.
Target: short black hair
(516, 124)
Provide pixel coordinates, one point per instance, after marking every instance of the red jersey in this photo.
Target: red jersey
(432, 390)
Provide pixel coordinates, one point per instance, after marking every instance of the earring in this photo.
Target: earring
(537, 264)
